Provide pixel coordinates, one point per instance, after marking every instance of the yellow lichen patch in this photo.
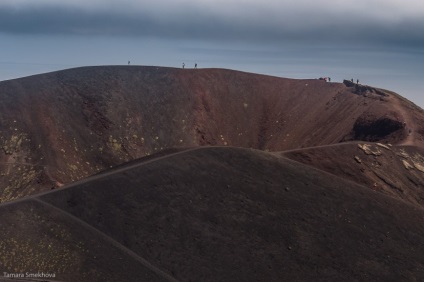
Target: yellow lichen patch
(73, 167)
(21, 178)
(114, 144)
(13, 144)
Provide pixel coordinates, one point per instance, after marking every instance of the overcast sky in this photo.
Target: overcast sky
(381, 42)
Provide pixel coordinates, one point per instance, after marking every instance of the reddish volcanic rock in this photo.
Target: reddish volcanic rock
(63, 126)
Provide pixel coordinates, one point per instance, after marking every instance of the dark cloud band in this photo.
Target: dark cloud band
(201, 25)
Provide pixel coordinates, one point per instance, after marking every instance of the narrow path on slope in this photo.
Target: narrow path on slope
(407, 119)
(102, 175)
(355, 142)
(115, 243)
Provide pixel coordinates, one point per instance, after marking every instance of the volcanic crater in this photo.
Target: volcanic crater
(132, 173)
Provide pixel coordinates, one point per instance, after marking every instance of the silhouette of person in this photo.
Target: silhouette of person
(351, 80)
(128, 62)
(183, 65)
(195, 65)
(357, 81)
(329, 79)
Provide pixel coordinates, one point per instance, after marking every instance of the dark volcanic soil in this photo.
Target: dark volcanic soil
(59, 127)
(396, 171)
(215, 214)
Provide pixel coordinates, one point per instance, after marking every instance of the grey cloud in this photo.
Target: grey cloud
(197, 24)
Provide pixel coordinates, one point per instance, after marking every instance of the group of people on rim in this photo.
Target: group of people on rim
(195, 65)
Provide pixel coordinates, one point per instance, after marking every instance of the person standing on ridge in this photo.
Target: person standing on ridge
(357, 81)
(183, 65)
(195, 65)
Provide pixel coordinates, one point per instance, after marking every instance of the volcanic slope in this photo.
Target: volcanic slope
(63, 126)
(397, 171)
(214, 214)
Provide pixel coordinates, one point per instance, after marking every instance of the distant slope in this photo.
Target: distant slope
(217, 214)
(63, 126)
(397, 171)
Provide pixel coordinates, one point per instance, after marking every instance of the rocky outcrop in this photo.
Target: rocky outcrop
(363, 89)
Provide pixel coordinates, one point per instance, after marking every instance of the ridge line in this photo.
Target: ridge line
(100, 175)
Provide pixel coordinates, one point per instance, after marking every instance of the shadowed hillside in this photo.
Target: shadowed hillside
(217, 214)
(63, 126)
